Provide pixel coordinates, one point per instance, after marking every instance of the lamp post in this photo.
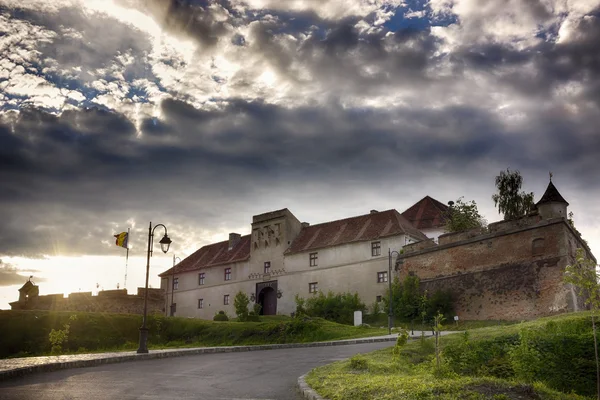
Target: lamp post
(165, 242)
(173, 283)
(390, 300)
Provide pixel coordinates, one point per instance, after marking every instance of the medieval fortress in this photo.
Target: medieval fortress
(512, 270)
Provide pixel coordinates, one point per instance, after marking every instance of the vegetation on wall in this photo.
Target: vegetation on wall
(510, 200)
(462, 216)
(337, 307)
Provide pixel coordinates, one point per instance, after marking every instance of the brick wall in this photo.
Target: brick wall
(513, 274)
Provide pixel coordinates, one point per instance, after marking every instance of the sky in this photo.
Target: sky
(200, 114)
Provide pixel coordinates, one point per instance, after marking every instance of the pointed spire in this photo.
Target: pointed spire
(551, 195)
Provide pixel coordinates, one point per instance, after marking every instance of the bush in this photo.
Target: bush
(359, 362)
(252, 317)
(221, 316)
(240, 303)
(400, 342)
(337, 307)
(410, 304)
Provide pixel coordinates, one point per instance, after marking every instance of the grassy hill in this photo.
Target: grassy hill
(26, 333)
(549, 358)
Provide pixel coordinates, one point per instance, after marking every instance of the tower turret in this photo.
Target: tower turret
(552, 204)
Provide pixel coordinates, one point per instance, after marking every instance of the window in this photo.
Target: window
(173, 309)
(378, 299)
(382, 277)
(201, 278)
(313, 257)
(375, 249)
(312, 287)
(175, 283)
(200, 303)
(227, 274)
(226, 300)
(267, 267)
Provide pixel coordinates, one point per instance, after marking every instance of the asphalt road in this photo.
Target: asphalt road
(253, 375)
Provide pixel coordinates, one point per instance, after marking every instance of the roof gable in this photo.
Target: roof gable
(426, 213)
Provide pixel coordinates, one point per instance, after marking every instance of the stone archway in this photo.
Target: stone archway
(267, 297)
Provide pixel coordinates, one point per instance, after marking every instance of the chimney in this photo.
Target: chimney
(234, 238)
(374, 212)
(305, 224)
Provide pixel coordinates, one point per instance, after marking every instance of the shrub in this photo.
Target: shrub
(359, 362)
(221, 316)
(252, 317)
(337, 307)
(240, 303)
(400, 342)
(410, 304)
(256, 308)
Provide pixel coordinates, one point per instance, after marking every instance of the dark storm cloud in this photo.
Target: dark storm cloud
(9, 275)
(82, 170)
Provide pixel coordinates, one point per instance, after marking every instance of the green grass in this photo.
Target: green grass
(481, 369)
(25, 333)
(380, 320)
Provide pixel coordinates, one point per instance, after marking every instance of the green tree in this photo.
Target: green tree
(462, 216)
(240, 303)
(583, 275)
(510, 201)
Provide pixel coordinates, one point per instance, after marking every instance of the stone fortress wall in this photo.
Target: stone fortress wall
(511, 271)
(109, 301)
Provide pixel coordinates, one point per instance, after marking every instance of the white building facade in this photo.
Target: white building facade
(283, 258)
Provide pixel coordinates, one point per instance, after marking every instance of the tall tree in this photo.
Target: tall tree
(584, 276)
(462, 216)
(510, 200)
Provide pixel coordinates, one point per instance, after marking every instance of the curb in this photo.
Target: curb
(306, 391)
(155, 354)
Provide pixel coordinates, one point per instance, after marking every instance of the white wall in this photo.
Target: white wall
(345, 268)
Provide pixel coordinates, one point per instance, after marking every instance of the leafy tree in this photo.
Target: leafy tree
(583, 275)
(240, 303)
(510, 201)
(462, 216)
(410, 304)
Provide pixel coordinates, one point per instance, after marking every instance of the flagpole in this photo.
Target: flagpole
(126, 260)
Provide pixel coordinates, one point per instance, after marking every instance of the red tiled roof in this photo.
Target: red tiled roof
(426, 213)
(212, 255)
(364, 227)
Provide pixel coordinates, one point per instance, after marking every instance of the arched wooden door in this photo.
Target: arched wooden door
(267, 298)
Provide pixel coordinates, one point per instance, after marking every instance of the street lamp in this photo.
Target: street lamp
(165, 242)
(173, 282)
(390, 299)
